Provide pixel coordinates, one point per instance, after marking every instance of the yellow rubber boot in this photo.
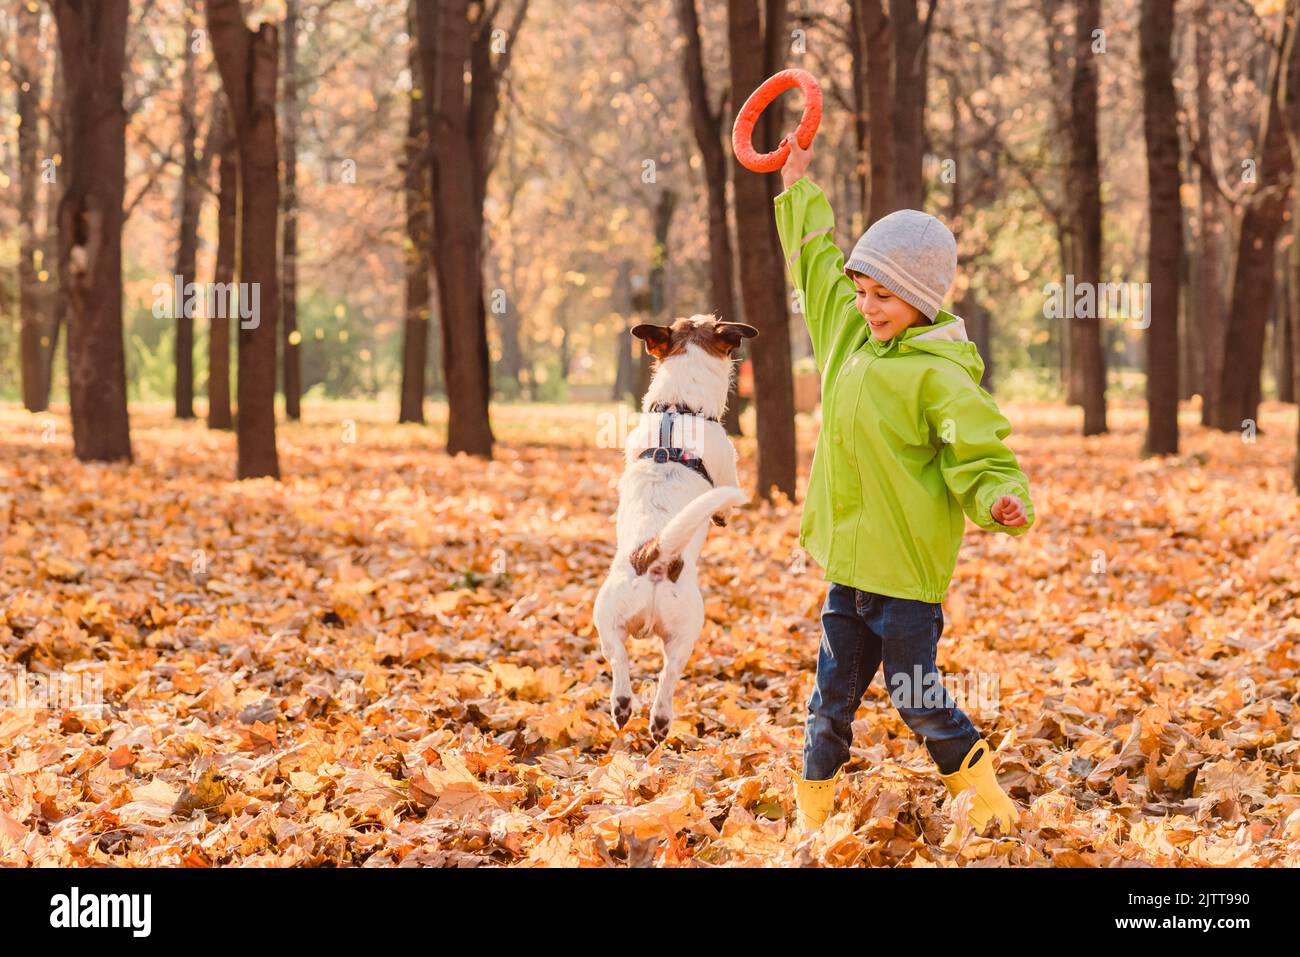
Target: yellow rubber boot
(814, 801)
(990, 800)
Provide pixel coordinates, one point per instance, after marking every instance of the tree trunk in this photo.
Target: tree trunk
(1165, 212)
(53, 286)
(415, 325)
(460, 129)
(565, 348)
(908, 102)
(664, 209)
(1253, 274)
(248, 63)
(624, 356)
(708, 125)
(219, 416)
(1294, 288)
(1086, 351)
(975, 187)
(92, 36)
(873, 61)
(509, 325)
(434, 370)
(1285, 343)
(291, 373)
(642, 312)
(1060, 141)
(1288, 97)
(1190, 346)
(979, 325)
(32, 327)
(188, 201)
(754, 57)
(858, 78)
(1209, 302)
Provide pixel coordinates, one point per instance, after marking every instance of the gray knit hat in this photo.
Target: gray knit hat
(911, 253)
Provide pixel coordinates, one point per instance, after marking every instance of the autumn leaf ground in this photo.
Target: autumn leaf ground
(388, 657)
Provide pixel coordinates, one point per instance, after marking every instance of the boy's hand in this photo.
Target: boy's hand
(796, 164)
(1008, 510)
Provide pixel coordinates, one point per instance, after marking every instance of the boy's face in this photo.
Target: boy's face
(886, 314)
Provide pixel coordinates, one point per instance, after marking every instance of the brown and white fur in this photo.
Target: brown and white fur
(664, 509)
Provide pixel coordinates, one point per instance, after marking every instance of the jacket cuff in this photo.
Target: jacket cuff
(985, 505)
(801, 183)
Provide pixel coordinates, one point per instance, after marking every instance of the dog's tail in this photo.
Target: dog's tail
(660, 557)
(679, 531)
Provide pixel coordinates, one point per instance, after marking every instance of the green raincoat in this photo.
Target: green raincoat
(909, 440)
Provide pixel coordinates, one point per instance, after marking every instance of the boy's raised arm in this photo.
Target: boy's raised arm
(806, 227)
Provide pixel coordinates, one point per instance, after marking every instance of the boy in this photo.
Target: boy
(909, 442)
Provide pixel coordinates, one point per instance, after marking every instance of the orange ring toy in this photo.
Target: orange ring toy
(742, 134)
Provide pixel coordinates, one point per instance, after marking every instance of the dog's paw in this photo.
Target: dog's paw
(659, 727)
(719, 521)
(621, 709)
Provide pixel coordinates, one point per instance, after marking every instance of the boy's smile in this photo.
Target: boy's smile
(886, 314)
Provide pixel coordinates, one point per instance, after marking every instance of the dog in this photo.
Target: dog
(680, 472)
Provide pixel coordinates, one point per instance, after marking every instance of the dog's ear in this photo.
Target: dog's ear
(733, 332)
(656, 338)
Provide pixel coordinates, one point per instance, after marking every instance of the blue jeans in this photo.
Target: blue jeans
(860, 630)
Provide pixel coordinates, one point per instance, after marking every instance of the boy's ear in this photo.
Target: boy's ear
(656, 338)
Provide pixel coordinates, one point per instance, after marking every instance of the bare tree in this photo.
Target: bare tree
(92, 36)
(457, 39)
(419, 235)
(190, 200)
(32, 329)
(873, 69)
(907, 100)
(709, 123)
(55, 294)
(652, 301)
(1086, 352)
(1165, 253)
(1289, 97)
(291, 371)
(248, 62)
(223, 147)
(1283, 341)
(1208, 270)
(1253, 277)
(756, 51)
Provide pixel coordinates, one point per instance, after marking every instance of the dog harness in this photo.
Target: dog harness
(665, 452)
